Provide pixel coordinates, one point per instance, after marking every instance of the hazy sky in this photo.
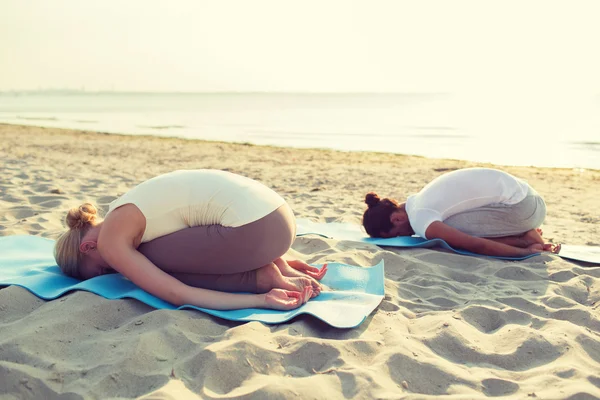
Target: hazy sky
(322, 45)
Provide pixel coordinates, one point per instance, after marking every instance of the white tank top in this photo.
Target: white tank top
(188, 198)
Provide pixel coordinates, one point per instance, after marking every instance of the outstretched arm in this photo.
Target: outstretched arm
(147, 276)
(460, 240)
(116, 245)
(141, 271)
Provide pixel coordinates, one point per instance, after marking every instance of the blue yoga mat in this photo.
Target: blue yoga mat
(27, 261)
(348, 231)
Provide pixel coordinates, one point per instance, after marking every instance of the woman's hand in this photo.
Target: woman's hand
(309, 270)
(280, 299)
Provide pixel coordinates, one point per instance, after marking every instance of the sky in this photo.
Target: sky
(302, 46)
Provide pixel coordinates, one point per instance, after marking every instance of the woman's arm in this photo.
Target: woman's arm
(141, 271)
(116, 244)
(460, 240)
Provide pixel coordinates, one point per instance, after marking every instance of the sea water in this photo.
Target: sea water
(507, 130)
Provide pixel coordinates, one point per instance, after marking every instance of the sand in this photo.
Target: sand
(450, 325)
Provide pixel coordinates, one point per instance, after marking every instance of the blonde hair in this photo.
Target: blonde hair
(66, 251)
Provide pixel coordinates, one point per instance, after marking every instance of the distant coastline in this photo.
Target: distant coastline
(52, 91)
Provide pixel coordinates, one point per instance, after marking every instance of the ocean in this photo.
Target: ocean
(504, 130)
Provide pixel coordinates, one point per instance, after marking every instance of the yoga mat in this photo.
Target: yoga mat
(27, 261)
(348, 231)
(590, 254)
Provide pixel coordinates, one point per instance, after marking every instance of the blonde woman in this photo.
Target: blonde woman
(194, 237)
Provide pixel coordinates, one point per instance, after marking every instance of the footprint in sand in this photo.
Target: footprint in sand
(20, 212)
(463, 277)
(517, 353)
(312, 245)
(417, 376)
(562, 276)
(315, 210)
(454, 261)
(388, 306)
(518, 274)
(498, 387)
(35, 227)
(577, 291)
(594, 380)
(13, 199)
(489, 320)
(47, 201)
(565, 374)
(590, 345)
(105, 199)
(558, 302)
(442, 302)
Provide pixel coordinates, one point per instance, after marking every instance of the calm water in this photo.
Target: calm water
(505, 130)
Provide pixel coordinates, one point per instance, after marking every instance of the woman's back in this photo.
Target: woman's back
(189, 198)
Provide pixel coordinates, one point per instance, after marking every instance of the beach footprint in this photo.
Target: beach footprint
(489, 320)
(498, 387)
(48, 201)
(517, 273)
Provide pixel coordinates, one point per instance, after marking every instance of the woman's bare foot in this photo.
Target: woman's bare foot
(270, 277)
(535, 239)
(533, 236)
(288, 271)
(538, 248)
(552, 248)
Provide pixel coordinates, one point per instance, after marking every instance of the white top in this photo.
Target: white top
(462, 190)
(189, 198)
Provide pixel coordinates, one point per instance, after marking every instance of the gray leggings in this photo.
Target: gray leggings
(498, 220)
(216, 249)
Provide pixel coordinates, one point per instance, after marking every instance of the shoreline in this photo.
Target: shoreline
(449, 325)
(324, 149)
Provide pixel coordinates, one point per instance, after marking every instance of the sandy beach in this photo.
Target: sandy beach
(450, 325)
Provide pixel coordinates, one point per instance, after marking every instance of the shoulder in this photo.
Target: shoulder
(421, 218)
(125, 222)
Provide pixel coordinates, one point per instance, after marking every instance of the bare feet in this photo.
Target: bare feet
(540, 231)
(538, 248)
(553, 248)
(535, 241)
(524, 240)
(533, 236)
(270, 277)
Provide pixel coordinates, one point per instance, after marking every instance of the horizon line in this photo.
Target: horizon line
(79, 91)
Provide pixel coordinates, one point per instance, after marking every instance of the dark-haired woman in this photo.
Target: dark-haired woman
(482, 210)
(193, 237)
